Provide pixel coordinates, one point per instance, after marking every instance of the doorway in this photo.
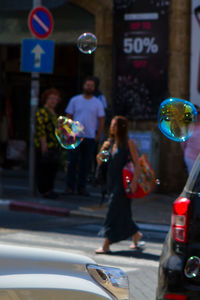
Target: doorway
(70, 68)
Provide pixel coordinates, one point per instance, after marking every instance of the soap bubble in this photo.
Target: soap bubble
(192, 267)
(68, 132)
(104, 156)
(176, 119)
(157, 181)
(87, 43)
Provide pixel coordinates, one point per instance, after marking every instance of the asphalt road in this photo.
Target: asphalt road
(80, 235)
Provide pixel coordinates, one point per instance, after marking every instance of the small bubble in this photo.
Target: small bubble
(157, 181)
(192, 267)
(104, 156)
(87, 43)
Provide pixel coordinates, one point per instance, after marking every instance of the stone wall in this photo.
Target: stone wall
(102, 10)
(179, 48)
(172, 168)
(103, 55)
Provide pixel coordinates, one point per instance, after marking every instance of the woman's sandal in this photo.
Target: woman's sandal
(102, 251)
(140, 245)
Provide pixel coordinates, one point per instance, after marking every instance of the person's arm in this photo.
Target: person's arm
(100, 128)
(101, 120)
(103, 101)
(70, 109)
(44, 145)
(40, 128)
(136, 162)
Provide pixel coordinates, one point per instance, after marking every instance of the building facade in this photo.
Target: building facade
(72, 18)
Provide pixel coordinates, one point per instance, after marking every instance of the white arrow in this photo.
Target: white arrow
(38, 51)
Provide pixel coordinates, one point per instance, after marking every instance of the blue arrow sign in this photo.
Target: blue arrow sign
(37, 56)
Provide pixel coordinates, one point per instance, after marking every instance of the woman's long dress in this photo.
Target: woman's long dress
(118, 224)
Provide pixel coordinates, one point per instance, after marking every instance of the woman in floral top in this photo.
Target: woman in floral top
(47, 147)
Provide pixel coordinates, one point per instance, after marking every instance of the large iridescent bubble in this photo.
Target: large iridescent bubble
(192, 267)
(87, 43)
(68, 132)
(177, 118)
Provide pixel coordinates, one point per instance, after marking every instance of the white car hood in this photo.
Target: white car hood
(46, 274)
(18, 259)
(37, 254)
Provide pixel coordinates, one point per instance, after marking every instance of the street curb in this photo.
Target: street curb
(81, 213)
(33, 207)
(4, 204)
(14, 205)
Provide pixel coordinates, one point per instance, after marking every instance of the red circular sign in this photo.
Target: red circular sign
(40, 22)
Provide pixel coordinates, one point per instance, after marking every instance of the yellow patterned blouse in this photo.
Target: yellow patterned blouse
(45, 127)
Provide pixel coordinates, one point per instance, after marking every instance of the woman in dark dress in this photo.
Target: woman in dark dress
(118, 224)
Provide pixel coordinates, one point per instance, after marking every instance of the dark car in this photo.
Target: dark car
(182, 242)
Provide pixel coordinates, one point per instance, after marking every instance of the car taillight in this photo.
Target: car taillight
(175, 297)
(180, 219)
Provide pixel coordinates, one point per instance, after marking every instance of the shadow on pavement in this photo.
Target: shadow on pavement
(136, 254)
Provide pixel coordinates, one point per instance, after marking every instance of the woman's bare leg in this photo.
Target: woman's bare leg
(136, 237)
(105, 247)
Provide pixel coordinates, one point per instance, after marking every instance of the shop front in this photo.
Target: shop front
(70, 65)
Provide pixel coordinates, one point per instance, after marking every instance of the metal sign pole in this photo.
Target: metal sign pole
(35, 87)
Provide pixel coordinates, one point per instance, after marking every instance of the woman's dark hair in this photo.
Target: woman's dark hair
(47, 93)
(122, 125)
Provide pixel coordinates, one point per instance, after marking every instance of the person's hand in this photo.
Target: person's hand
(106, 145)
(133, 186)
(99, 158)
(44, 147)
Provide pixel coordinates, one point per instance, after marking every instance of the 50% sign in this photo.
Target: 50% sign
(139, 45)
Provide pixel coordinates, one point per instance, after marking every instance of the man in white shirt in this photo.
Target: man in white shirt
(89, 111)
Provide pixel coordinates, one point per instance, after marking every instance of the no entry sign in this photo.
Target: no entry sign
(40, 22)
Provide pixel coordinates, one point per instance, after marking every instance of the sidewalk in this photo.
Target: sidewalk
(154, 208)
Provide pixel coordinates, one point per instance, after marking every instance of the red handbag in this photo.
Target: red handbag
(146, 181)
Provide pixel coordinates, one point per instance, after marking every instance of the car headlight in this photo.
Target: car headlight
(113, 280)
